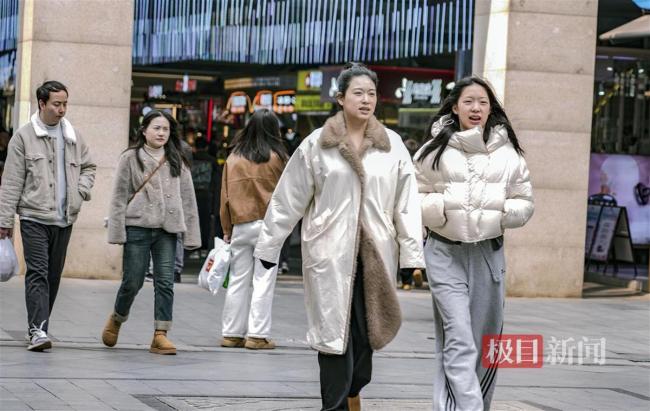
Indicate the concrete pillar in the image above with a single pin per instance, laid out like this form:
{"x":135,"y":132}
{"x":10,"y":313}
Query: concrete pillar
{"x":86,"y":45}
{"x":539,"y":55}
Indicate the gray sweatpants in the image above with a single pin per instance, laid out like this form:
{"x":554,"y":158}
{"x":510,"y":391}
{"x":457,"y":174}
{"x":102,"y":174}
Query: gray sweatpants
{"x":467,"y":285}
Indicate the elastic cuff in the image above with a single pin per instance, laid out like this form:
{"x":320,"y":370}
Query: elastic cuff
{"x":162,"y":325}
{"x":233,"y":335}
{"x":120,"y":318}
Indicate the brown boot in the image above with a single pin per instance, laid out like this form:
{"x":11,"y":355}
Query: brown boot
{"x":354,"y":403}
{"x":111,"y":331}
{"x":232,"y":342}
{"x":254,"y":343}
{"x":161,"y":345}
{"x":417,"y":278}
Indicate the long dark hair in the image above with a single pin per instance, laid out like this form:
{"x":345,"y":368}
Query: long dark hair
{"x":259,"y":138}
{"x":452,"y":125}
{"x":173,"y":151}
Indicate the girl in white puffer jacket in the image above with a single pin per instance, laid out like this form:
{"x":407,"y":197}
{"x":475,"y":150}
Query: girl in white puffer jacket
{"x":474,"y":183}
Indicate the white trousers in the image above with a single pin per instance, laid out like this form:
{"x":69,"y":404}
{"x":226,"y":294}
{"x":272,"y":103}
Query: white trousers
{"x":249,"y":300}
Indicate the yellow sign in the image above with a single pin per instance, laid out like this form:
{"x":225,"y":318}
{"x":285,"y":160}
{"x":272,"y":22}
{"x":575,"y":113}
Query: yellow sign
{"x":311,"y":102}
{"x":309,"y":80}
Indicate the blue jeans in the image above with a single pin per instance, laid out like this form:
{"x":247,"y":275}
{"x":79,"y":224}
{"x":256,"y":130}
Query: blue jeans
{"x":140,"y":243}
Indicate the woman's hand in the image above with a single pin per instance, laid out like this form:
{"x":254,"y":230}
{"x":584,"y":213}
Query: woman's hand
{"x":226,"y":239}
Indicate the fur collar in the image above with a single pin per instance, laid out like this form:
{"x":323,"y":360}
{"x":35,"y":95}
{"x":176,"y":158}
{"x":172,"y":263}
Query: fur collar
{"x":334,"y":133}
{"x":68,"y":131}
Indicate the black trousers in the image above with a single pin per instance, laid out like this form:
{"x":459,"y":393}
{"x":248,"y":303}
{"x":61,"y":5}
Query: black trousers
{"x":44,"y":247}
{"x":343,"y":376}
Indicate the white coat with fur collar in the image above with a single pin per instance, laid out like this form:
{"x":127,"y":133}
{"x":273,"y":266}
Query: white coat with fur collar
{"x":479,"y":189}
{"x":353,"y":204}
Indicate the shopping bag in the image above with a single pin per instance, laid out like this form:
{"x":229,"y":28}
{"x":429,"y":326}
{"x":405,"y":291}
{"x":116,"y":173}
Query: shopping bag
{"x":215,"y":267}
{"x":8,"y":260}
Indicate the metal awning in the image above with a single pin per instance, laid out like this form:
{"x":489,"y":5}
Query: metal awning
{"x":637,"y":28}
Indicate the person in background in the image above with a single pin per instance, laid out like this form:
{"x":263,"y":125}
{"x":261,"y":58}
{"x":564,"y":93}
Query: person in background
{"x":153,"y":202}
{"x":48,"y":175}
{"x":4,"y":144}
{"x":204,"y":177}
{"x":409,"y":276}
{"x":474,"y":184}
{"x":353,"y":184}
{"x":291,"y":141}
{"x":250,"y":175}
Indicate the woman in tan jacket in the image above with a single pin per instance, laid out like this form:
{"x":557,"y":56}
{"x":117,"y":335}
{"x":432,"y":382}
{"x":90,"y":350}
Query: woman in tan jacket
{"x":250,"y":175}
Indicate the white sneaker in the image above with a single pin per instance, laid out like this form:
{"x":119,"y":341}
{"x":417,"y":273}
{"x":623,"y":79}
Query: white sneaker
{"x":39,"y":340}
{"x":284,"y":267}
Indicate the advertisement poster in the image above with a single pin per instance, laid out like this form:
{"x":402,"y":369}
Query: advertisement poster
{"x":626,"y":178}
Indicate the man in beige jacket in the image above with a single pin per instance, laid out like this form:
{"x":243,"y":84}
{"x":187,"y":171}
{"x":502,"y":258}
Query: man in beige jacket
{"x":47,"y":175}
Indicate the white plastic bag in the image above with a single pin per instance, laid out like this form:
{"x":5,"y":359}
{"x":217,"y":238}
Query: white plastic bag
{"x":215,"y":267}
{"x":8,"y":260}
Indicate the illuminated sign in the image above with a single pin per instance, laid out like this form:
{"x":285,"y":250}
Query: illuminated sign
{"x":283,"y":101}
{"x":238,"y":102}
{"x":412,"y":91}
{"x":309,"y":80}
{"x":263,"y":99}
{"x":311,"y":103}
{"x":251,"y":82}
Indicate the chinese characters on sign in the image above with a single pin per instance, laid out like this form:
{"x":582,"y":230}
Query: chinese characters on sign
{"x":527,"y":351}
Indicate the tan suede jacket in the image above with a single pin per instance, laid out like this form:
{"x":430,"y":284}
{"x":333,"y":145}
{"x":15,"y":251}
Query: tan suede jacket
{"x":246,"y":189}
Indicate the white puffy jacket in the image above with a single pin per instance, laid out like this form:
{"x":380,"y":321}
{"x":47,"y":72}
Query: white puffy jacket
{"x":478,"y":190}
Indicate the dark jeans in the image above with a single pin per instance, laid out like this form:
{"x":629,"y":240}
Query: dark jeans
{"x":45,"y":248}
{"x":343,"y":376}
{"x":140,"y":243}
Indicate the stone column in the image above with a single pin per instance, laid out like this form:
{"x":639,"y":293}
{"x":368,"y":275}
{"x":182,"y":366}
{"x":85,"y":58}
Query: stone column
{"x":539,"y":55}
{"x":86,"y":45}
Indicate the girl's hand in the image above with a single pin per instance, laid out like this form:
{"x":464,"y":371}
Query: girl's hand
{"x":226,"y":239}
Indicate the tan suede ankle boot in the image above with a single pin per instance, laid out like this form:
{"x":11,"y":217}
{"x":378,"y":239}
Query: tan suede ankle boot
{"x":354,"y":403}
{"x":111,"y":331}
{"x":161,"y":345}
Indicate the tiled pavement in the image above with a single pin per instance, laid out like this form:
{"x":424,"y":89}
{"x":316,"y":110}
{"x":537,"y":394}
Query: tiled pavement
{"x":81,"y":374}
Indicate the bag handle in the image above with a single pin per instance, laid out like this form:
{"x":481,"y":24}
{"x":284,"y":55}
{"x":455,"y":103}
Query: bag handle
{"x":146,"y":180}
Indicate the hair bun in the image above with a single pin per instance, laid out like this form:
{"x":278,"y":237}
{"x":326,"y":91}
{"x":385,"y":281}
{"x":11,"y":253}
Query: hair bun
{"x":353,"y":64}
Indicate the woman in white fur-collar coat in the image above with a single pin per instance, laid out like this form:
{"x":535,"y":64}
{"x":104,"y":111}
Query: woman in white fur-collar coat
{"x":474,"y":183}
{"x":353,"y":184}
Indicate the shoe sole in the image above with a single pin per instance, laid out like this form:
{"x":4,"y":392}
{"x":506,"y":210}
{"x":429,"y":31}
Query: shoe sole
{"x":40,"y":347}
{"x":163,"y":352}
{"x":233,"y":344}
{"x":255,"y":347}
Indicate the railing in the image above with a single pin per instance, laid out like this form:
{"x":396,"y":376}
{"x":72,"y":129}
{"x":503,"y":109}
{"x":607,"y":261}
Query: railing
{"x":298,"y":31}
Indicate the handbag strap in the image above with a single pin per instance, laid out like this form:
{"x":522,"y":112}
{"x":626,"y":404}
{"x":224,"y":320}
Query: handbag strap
{"x":146,"y":180}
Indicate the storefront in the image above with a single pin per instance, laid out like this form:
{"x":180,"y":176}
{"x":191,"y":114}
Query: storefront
{"x":618,"y":226}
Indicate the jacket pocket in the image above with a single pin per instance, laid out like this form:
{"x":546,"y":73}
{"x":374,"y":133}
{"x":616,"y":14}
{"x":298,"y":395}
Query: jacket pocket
{"x":74,"y":171}
{"x":38,"y":184}
{"x":75,"y":203}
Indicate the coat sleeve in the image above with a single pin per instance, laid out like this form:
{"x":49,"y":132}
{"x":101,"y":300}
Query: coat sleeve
{"x":87,"y":172}
{"x":122,"y":191}
{"x":431,"y":200}
{"x":407,"y":216}
{"x":289,"y":202}
{"x":519,"y":206}
{"x":224,"y":206}
{"x":13,"y":181}
{"x":192,"y":238}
